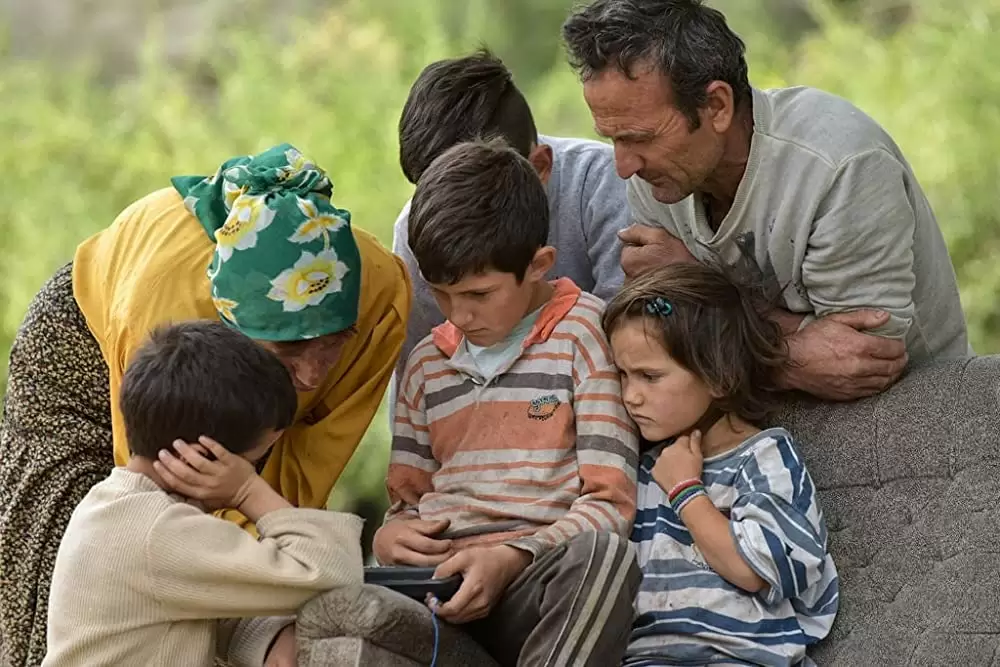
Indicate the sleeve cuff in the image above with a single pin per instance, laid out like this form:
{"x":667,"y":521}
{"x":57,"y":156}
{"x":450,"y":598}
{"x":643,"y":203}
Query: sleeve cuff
{"x":252,"y":639}
{"x":534,"y":547}
{"x":746,"y":547}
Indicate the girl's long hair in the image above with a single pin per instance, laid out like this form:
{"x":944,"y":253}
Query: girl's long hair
{"x":713,"y":327}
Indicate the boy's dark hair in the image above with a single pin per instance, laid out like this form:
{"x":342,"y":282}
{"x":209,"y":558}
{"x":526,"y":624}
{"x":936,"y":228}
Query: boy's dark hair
{"x":458,"y":100}
{"x":479,"y":206}
{"x":203,"y":378}
{"x":687,"y":42}
{"x":714,"y":328}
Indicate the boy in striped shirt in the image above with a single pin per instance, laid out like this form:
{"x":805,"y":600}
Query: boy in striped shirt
{"x":513,"y":459}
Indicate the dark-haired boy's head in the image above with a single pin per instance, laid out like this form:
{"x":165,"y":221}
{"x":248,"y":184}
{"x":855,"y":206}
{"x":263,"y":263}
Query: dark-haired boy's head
{"x":460,"y":99}
{"x":478,"y":228}
{"x":202,"y":378}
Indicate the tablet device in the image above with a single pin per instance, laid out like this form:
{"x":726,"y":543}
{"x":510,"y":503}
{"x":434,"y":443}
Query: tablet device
{"x":414,"y":582}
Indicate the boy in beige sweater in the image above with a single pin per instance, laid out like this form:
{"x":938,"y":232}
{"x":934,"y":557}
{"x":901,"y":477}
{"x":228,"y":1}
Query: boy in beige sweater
{"x":145,"y":576}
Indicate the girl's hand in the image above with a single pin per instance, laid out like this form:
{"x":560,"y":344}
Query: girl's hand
{"x":225,"y":482}
{"x":679,"y":462}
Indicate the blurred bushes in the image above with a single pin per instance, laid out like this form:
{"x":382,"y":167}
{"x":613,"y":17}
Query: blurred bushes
{"x":76,"y":151}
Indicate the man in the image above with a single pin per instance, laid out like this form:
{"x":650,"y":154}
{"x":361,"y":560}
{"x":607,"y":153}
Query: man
{"x":463,"y":98}
{"x":795,"y":189}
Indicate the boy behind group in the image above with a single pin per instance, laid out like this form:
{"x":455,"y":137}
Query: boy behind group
{"x":459,"y":99}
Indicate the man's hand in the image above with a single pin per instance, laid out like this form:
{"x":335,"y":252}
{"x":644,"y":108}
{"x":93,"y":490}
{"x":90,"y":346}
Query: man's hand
{"x":679,"y":462}
{"x":645,"y":248}
{"x":486,"y":574}
{"x":284,"y":650}
{"x":831,"y":358}
{"x":411,"y":542}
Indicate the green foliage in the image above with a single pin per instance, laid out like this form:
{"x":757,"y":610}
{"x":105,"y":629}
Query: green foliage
{"x":77,"y":151}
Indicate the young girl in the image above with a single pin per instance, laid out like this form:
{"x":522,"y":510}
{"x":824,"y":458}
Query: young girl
{"x":729,"y":533}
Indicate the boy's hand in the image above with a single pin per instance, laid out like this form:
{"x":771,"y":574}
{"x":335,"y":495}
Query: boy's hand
{"x":411,"y":542}
{"x":486,"y":574}
{"x":225,"y":482}
{"x":679,"y":462}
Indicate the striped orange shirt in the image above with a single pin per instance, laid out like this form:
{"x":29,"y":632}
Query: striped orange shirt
{"x":530,"y":457}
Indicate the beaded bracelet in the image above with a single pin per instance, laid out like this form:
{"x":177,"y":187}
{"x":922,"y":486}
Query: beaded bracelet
{"x":680,"y":486}
{"x":683,"y":493}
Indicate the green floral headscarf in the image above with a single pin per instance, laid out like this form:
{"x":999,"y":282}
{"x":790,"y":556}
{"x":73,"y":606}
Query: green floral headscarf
{"x":286,"y":266}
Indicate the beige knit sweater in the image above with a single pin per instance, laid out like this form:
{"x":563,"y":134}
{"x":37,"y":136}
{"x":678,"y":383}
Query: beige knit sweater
{"x":141,"y":578}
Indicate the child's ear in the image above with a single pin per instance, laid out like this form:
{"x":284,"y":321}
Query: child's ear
{"x":541,"y":263}
{"x":540,"y":158}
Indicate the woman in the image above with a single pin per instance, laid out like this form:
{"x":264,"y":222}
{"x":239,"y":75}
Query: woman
{"x":260,"y":246}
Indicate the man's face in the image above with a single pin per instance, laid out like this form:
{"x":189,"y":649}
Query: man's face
{"x":309,"y":361}
{"x":652,"y":137}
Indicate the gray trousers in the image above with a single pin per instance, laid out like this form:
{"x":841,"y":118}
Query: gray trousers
{"x":573,"y":607}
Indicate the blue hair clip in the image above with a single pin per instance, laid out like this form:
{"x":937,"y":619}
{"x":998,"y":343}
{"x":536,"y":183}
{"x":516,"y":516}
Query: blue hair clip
{"x":659,"y":306}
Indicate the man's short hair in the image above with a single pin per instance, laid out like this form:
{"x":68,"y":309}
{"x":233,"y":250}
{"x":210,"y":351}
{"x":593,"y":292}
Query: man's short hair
{"x":480,"y":206}
{"x":457,"y":100}
{"x":203,"y":378}
{"x":687,"y":42}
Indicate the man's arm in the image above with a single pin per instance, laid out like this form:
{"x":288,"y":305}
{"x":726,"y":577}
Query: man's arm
{"x":858,"y":275}
{"x":860,"y":251}
{"x":789,"y":322}
{"x":653,"y":240}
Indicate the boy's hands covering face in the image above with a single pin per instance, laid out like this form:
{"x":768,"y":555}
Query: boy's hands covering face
{"x":225,"y":482}
{"x":486,"y":573}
